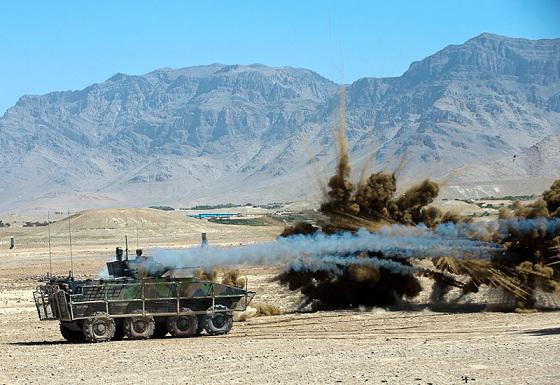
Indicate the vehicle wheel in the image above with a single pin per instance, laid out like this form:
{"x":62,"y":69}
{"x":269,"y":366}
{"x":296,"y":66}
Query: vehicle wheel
{"x":119,"y":330}
{"x":99,"y":328}
{"x":183,"y":325}
{"x":139,"y":328}
{"x":201,"y":320}
{"x":218,"y":322}
{"x":160,"y":330}
{"x":71,"y":332}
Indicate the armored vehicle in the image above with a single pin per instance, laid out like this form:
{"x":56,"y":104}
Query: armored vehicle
{"x":139,"y":300}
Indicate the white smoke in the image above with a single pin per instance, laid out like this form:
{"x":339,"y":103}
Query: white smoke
{"x":322,"y":251}
{"x":500,"y":228}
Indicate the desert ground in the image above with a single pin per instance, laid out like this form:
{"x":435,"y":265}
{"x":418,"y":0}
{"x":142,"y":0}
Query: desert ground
{"x":364,"y":345}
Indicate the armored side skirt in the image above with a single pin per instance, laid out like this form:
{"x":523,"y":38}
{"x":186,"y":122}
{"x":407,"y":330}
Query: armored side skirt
{"x":155,"y":298}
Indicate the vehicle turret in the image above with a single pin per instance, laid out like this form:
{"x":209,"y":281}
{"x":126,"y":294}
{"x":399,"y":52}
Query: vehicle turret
{"x":140,"y":267}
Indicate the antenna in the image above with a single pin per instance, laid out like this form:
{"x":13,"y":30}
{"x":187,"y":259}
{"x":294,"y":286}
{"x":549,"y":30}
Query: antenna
{"x":70,"y":238}
{"x":126,"y":246}
{"x":49,"y":230}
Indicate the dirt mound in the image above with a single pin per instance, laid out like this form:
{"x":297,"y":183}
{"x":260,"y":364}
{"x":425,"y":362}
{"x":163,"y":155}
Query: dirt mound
{"x":110,"y":219}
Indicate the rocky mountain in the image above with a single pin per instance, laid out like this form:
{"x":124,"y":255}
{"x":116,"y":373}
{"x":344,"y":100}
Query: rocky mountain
{"x":483,"y":117}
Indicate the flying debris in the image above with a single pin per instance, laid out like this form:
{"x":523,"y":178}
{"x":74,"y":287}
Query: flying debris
{"x":518,"y":254}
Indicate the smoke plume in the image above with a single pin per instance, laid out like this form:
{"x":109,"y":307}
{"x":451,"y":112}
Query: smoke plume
{"x":397,"y":241}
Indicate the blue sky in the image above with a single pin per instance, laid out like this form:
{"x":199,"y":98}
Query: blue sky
{"x":47,"y":46}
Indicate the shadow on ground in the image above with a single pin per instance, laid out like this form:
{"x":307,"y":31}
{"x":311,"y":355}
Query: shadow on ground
{"x":458,"y":308}
{"x":544,"y":332}
{"x":40,"y":343}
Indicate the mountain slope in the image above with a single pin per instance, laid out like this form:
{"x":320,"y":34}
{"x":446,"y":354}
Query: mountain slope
{"x":255,"y":133}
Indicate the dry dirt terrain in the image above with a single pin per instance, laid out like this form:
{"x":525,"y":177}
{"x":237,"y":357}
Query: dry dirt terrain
{"x":374,"y":346}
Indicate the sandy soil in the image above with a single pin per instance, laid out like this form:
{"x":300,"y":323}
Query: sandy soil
{"x":373,"y":346}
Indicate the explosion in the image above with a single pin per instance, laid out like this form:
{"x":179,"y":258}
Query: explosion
{"x":528,"y":238}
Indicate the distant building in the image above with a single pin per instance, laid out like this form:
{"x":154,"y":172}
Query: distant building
{"x":212,"y":215}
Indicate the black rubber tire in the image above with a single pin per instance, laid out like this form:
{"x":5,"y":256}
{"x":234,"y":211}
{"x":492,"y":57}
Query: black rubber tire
{"x":200,"y":328}
{"x":70,"y":335}
{"x":119,"y":330}
{"x":160,"y":330}
{"x":218,"y":323}
{"x":182,"y":326}
{"x":99,"y":328}
{"x":139,"y":328}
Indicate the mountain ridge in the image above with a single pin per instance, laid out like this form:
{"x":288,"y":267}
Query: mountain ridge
{"x":205,"y":133}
